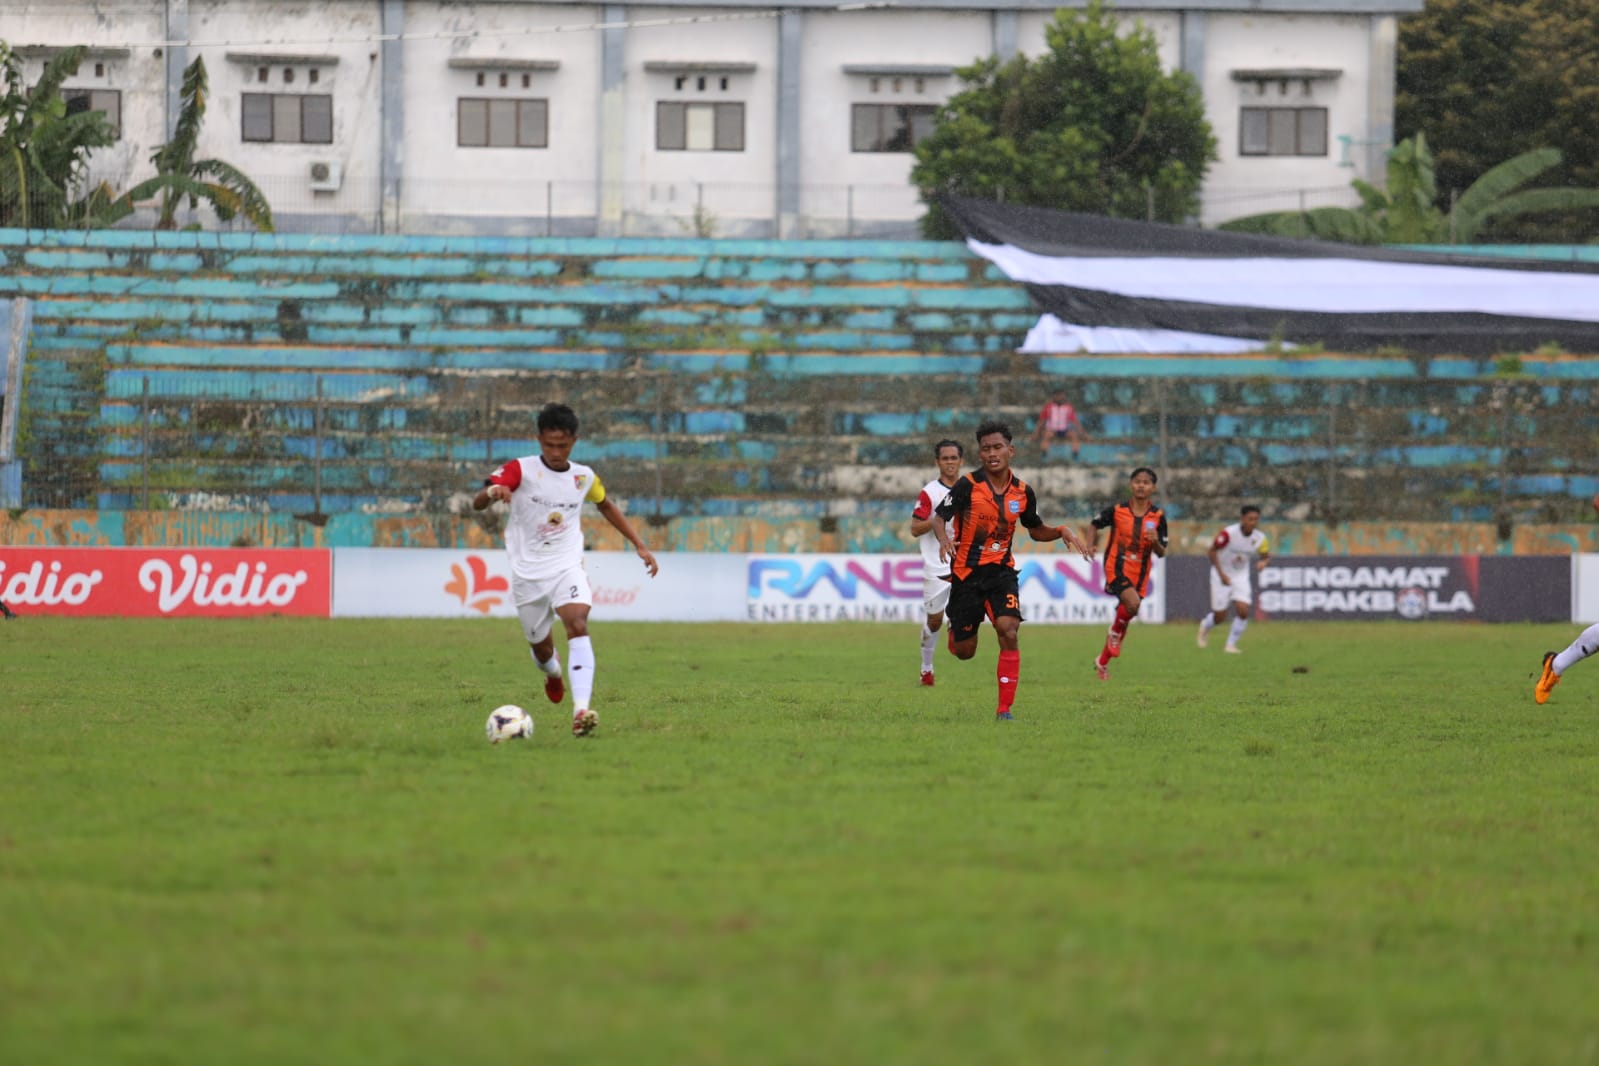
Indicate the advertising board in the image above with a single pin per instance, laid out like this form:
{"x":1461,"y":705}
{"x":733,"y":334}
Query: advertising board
{"x":166,"y":582}
{"x":1060,"y":589}
{"x":445,"y":583}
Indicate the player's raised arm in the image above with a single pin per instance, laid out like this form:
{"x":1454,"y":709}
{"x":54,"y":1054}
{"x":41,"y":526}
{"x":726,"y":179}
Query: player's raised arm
{"x":613,"y":514}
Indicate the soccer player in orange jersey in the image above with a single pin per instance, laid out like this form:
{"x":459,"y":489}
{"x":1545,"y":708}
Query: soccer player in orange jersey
{"x":984,"y":509}
{"x":1137,"y":533}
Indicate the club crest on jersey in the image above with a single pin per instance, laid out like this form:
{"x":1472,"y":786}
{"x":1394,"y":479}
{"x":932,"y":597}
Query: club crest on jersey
{"x":577,"y":481}
{"x":1015,"y":506}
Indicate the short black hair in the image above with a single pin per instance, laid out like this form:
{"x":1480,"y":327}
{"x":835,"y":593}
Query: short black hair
{"x":557,"y":416}
{"x":992,"y":426}
{"x":938,"y":449}
{"x":1145,"y":470}
{"x":1249,"y":509}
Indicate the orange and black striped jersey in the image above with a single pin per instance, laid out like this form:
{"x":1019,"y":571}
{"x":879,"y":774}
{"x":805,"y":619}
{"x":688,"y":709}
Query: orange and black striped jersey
{"x":1126,"y":554}
{"x":985,"y":520}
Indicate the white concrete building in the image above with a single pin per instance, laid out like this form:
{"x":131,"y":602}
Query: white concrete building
{"x":528,"y":116}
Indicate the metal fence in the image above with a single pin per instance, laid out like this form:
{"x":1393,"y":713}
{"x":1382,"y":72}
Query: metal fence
{"x":344,"y":202}
{"x":676,"y":443}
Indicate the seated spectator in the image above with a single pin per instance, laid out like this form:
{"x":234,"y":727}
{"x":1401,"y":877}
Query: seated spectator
{"x":1057,"y":422}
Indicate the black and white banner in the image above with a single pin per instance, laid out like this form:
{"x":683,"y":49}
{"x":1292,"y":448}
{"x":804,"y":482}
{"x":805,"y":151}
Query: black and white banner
{"x":1227,"y":292}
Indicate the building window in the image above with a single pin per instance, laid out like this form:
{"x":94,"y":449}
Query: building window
{"x":106,"y":101}
{"x":288,"y":118}
{"x":1283,"y":131}
{"x":502,"y":123}
{"x":699,"y":127}
{"x":889,"y":127}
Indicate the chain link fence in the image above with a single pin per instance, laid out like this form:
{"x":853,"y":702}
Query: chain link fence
{"x":1504,"y":449}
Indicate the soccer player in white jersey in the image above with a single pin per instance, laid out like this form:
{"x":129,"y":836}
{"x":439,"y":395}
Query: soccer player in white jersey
{"x":1230,"y":555}
{"x":544,"y":539}
{"x":1555,"y":664}
{"x":935,"y":571}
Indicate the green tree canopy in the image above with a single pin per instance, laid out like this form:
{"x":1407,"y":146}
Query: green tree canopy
{"x":44,"y":151}
{"x":1489,"y":80}
{"x":1092,"y":125}
{"x":1407,"y":211}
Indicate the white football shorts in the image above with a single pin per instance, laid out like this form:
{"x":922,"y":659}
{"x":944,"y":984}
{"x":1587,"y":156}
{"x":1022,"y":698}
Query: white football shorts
{"x":935,"y":594}
{"x":1224,"y":596}
{"x":536,"y":601}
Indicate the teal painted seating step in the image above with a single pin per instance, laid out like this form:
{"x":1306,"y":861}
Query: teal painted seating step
{"x":380,"y":266}
{"x":807,"y":365}
{"x":240,"y":384}
{"x":603,"y":450}
{"x":707,"y":422}
{"x":342,"y":244}
{"x":406,"y":315}
{"x":1176,"y":366}
{"x":698,"y":362}
{"x":1571,"y":368}
{"x":65,"y":259}
{"x":494,"y":292}
{"x":161,"y":311}
{"x":296,"y":415}
{"x":197,"y":288}
{"x":1438,"y":455}
{"x":1008,"y":299}
{"x":286,"y":357}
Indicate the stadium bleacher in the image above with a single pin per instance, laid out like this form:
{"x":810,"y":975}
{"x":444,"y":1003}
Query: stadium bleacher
{"x":301,"y":373}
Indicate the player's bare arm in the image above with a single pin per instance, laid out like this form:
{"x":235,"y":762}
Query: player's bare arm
{"x":1061,"y":533}
{"x":489,"y":494}
{"x":920,"y":526}
{"x":1215,"y":564}
{"x":613,"y":514}
{"x":946,"y":550}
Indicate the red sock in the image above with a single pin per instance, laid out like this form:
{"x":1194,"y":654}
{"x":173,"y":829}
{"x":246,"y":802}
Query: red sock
{"x":1119,"y":627}
{"x":1118,"y":630}
{"x":1010,"y":669}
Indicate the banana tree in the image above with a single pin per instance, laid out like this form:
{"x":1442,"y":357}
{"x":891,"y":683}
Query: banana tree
{"x":1407,"y":211}
{"x":44,"y":151}
{"x":180,"y":177}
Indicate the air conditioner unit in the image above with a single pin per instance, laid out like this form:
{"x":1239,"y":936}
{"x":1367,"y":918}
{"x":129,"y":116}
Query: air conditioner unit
{"x":325,"y":174}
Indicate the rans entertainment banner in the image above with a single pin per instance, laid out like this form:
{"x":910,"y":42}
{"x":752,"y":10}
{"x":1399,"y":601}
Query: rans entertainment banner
{"x":888,"y":588}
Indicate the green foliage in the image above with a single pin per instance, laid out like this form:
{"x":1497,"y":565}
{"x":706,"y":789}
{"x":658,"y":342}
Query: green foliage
{"x":44,"y":152}
{"x":1493,"y":79}
{"x":1092,"y":125}
{"x":1407,"y":211}
{"x":180,"y":177}
{"x":286,"y":840}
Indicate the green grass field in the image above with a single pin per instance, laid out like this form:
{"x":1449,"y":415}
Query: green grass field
{"x":288,"y":841}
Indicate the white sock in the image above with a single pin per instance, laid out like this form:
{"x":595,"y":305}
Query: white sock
{"x":1239,"y":625}
{"x":551,"y":666}
{"x":929,"y":642}
{"x":1207,"y":623}
{"x":1586,"y":644}
{"x":580,"y":651}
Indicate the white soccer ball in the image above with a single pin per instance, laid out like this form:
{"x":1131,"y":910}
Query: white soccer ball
{"x":509,"y":723}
